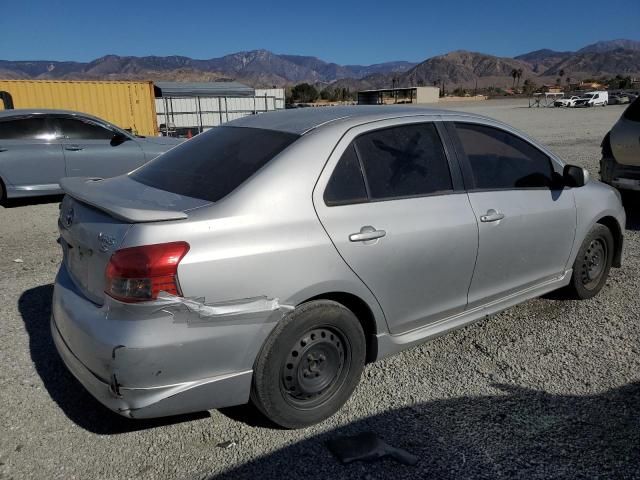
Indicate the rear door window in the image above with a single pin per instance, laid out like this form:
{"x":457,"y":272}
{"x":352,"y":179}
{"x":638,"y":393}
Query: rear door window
{"x":346,"y":184}
{"x":404,"y":161}
{"x":213,"y":164}
{"x":28,"y":128}
{"x":81,"y":129}
{"x":500,"y":160}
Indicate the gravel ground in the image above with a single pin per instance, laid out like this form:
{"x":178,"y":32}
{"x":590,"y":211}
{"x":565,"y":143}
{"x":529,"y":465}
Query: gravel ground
{"x":550,"y":388}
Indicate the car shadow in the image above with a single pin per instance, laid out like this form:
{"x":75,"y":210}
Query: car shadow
{"x":631,"y":202}
{"x":81,"y":408}
{"x":518,"y":433}
{"x":23,"y":202}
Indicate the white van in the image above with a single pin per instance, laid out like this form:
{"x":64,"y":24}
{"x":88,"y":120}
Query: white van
{"x":592,"y":99}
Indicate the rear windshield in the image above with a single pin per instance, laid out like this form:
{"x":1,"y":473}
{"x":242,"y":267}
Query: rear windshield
{"x":633,"y":111}
{"x":213,"y":164}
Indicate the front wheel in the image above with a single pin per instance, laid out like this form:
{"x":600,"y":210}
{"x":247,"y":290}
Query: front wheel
{"x":309,"y":365}
{"x":592,"y":264}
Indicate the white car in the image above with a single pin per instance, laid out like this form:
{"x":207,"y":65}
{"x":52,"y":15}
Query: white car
{"x":592,"y":99}
{"x":566,"y":102}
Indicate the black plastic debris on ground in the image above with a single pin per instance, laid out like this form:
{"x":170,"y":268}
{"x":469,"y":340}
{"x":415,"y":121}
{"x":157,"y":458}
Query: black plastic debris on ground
{"x":367,"y":447}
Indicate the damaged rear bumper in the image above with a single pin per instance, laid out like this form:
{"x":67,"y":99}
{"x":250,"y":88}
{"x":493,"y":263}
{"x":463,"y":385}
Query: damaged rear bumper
{"x":163,"y":359}
{"x":158,"y":401}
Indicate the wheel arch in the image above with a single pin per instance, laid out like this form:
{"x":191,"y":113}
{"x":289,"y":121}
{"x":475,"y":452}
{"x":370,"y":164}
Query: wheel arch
{"x":616,"y":230}
{"x":363,"y":313}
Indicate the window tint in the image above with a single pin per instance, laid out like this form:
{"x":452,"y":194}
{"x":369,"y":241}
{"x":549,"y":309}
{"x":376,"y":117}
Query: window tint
{"x":501,"y":160}
{"x":404,"y":161}
{"x":213,"y":164}
{"x":633,"y":111}
{"x":38,"y":128}
{"x":79,"y":129}
{"x":346,"y":184}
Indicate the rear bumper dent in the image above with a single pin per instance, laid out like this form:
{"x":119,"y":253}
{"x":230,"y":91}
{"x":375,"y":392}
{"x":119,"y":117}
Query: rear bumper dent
{"x":157,"y":401}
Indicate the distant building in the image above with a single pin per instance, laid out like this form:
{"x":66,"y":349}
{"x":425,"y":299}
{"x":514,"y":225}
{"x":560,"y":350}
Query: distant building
{"x":553,"y":88}
{"x":389,"y":96}
{"x":592,"y":86}
{"x":187,"y":108}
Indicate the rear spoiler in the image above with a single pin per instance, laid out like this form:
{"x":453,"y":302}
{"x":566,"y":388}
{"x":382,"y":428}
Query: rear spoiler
{"x":117,"y":196}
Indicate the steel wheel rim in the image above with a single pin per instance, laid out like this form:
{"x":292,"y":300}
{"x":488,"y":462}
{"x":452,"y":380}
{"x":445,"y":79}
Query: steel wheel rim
{"x":315,"y":367}
{"x":594,"y":263}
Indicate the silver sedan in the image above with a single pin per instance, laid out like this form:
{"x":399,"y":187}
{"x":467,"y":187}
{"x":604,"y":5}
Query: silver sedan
{"x":269,"y":259}
{"x":39,"y":147}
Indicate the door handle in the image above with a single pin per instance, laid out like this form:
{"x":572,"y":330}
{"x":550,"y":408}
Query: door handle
{"x":491,"y":216}
{"x":367,"y":233}
{"x":3,"y":149}
{"x":73,"y":148}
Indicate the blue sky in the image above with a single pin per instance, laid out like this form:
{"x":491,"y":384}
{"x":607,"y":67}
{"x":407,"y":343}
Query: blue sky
{"x":338,"y":31}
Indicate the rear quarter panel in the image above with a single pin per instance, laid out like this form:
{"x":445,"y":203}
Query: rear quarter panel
{"x":264,"y":238}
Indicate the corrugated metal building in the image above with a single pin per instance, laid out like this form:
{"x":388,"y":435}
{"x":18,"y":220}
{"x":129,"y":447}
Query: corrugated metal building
{"x":185,"y":109}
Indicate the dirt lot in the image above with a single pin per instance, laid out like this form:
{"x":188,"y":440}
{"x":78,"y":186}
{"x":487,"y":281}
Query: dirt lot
{"x":547,"y":389}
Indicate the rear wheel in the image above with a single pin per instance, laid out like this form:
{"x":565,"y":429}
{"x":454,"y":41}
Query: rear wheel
{"x":309,"y":365}
{"x":592,"y":264}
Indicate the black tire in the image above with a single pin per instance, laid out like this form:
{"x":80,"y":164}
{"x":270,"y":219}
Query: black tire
{"x":592,"y":264}
{"x":309,"y":365}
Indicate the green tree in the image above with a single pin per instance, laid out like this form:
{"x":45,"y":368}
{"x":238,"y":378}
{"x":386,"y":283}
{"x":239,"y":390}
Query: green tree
{"x":514,"y":74}
{"x":518,"y":75}
{"x":304,"y":93}
{"x":529,"y":86}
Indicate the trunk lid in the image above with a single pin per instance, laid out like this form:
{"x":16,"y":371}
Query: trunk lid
{"x":95,"y":217}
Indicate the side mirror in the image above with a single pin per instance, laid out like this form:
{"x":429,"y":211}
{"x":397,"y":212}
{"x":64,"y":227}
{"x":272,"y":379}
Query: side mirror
{"x":118,"y":138}
{"x":575,"y":176}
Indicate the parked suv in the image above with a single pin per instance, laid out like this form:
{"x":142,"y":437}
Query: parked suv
{"x":620,"y":163}
{"x":268,"y":259}
{"x":39,"y":147}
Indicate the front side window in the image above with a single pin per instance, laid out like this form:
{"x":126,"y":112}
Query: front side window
{"x":404,"y":161}
{"x":30,"y":128}
{"x":81,"y":129}
{"x":213,"y":164}
{"x":500,"y":160}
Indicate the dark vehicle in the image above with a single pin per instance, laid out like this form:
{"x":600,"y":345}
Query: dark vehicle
{"x":620,"y":163}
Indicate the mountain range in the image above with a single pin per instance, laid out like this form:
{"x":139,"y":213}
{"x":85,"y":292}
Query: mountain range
{"x":265,"y":68}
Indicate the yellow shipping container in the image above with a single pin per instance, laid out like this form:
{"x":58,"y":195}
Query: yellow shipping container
{"x":129,"y":105}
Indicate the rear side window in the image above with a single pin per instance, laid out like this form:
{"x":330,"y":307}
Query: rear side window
{"x":500,"y":160}
{"x":633,"y":111}
{"x":213,"y":164}
{"x":346,"y":184}
{"x":79,"y":129}
{"x":33,"y":128}
{"x":403,"y":161}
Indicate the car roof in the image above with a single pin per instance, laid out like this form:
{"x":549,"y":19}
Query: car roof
{"x":17,"y":112}
{"x":302,"y":120}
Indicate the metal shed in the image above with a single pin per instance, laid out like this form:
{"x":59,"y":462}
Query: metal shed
{"x":385,"y":96}
{"x":187,"y":108}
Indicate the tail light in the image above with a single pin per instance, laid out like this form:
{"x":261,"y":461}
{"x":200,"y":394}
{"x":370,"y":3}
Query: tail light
{"x":138,"y":274}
